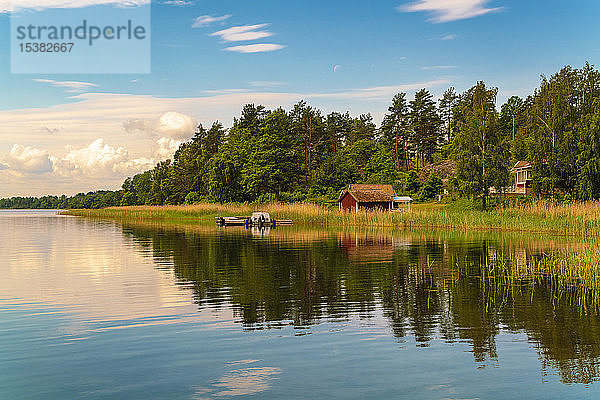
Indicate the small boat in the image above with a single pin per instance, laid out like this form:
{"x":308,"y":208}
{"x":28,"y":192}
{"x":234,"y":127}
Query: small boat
{"x":260,"y":219}
{"x":232,"y":221}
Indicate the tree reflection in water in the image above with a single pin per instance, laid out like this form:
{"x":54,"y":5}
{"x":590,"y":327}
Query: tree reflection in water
{"x":428,"y":285}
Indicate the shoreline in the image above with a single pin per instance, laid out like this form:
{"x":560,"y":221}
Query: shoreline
{"x":540,"y":218}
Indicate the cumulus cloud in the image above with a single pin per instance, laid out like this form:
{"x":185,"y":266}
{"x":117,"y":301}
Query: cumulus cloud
{"x":449,"y":10}
{"x":166,"y":147}
{"x":29,"y":159}
{"x":8,"y":5}
{"x":206,"y":20}
{"x":99,"y":159}
{"x":171,"y":124}
{"x":255,"y":48}
{"x":69,"y":86}
{"x":243,"y":33}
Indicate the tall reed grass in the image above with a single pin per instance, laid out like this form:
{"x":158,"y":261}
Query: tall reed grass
{"x":542,"y":216}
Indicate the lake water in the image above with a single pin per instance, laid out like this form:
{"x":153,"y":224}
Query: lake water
{"x":100,"y":310}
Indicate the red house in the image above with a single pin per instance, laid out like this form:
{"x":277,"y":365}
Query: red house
{"x":522,"y":177}
{"x":367,"y":197}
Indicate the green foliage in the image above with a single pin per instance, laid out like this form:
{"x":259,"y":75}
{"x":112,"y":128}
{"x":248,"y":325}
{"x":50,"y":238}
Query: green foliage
{"x":480,"y":146}
{"x":425,"y":123}
{"x":129,"y":199}
{"x":411,"y":183}
{"x":431,"y":188}
{"x":193,"y":198}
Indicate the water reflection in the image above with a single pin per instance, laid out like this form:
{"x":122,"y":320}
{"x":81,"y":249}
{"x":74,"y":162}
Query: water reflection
{"x":425,"y":285}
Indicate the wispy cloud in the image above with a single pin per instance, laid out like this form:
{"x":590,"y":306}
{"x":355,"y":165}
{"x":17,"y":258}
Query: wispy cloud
{"x":206,"y":20}
{"x":180,"y":3}
{"x":243,"y":33}
{"x":377,"y":92}
{"x":266,"y":83}
{"x":225,"y":91}
{"x":449,"y":10}
{"x":69,"y":86}
{"x":451,"y":36}
{"x":437,"y":67}
{"x":255,"y":48}
{"x":8,"y":6}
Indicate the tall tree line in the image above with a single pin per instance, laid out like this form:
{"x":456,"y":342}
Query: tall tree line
{"x":303,"y":154}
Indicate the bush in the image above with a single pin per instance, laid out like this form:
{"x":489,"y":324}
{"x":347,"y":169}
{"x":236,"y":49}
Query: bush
{"x":412,"y":184}
{"x":431,"y":188}
{"x":193,"y":198}
{"x":129,"y":199}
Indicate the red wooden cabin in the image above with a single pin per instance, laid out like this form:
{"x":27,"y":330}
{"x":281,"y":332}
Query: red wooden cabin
{"x":367,"y":197}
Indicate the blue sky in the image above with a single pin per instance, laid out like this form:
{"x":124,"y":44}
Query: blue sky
{"x":64,"y":133}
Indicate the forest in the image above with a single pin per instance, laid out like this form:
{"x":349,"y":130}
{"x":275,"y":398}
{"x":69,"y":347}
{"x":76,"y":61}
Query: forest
{"x":304,"y":155}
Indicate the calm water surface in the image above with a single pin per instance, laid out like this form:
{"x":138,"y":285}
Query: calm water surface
{"x":99,"y":310}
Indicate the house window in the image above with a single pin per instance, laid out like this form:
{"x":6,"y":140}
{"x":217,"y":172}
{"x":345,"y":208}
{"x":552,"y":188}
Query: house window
{"x":528,"y":175}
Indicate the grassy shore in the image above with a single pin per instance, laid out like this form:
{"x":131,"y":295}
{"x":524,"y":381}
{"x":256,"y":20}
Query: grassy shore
{"x":579,"y":219}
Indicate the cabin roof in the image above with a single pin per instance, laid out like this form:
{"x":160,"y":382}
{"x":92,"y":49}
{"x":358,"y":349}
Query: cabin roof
{"x":370,"y":193}
{"x":521,"y":165}
{"x":389,"y":189}
{"x":403,"y":199}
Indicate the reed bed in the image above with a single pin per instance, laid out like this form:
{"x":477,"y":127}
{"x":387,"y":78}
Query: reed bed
{"x":568,"y":276}
{"x":581,"y":219}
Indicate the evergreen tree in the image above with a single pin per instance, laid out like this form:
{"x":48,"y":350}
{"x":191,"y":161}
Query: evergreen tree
{"x":425,"y":123}
{"x":479,"y":145}
{"x":395,"y":130}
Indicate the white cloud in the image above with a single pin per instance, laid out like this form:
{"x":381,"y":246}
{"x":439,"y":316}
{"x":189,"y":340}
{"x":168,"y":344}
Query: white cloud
{"x":133,"y":167}
{"x":166,"y":147}
{"x":29,"y":159}
{"x":243,"y":33}
{"x":98,"y":160}
{"x":3,"y":166}
{"x":181,"y":3}
{"x":69,"y":86}
{"x":449,"y":10}
{"x":255,"y":48}
{"x":8,"y":5}
{"x":449,"y":37}
{"x":266,"y":83}
{"x":206,"y":20}
{"x":226,"y":91}
{"x":171,"y":124}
